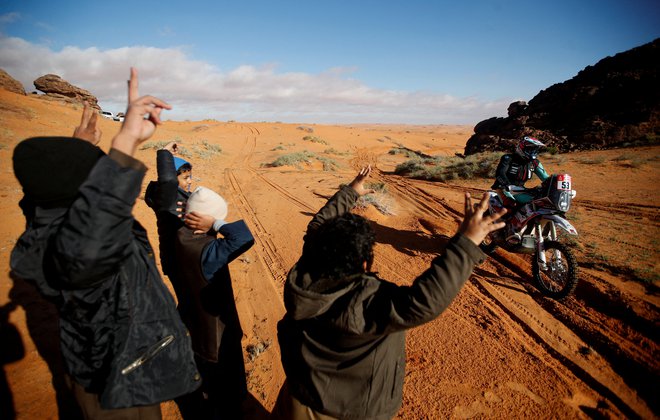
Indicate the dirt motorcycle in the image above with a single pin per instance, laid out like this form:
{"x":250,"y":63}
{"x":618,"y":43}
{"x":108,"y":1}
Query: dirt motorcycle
{"x":554,"y":266}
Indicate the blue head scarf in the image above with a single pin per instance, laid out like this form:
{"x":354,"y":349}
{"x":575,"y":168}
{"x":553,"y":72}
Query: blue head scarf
{"x":178,"y":163}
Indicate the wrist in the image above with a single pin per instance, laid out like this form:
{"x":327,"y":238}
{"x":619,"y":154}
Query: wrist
{"x":218,"y":224}
{"x":124,"y":143}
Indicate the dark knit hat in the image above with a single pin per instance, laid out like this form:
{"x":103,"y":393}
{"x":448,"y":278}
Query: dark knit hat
{"x":51,"y":169}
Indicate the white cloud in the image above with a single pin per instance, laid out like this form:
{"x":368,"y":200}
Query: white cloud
{"x":199,"y":90}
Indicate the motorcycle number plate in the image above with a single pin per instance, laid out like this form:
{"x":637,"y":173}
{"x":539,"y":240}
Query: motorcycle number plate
{"x":564,"y":182}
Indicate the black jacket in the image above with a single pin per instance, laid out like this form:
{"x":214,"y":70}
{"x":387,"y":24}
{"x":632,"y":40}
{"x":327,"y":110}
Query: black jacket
{"x":120,"y":334}
{"x":162,"y":196}
{"x":343,"y":349}
{"x":516,"y":170}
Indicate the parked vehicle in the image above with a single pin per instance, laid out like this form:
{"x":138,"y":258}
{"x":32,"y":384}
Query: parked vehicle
{"x":554,"y":266}
{"x":119,"y":116}
{"x":107,"y":114}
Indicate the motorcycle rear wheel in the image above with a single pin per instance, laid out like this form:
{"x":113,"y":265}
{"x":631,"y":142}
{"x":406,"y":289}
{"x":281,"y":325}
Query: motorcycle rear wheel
{"x":560,"y":276}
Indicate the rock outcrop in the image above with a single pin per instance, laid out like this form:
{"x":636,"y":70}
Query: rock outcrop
{"x":59,"y":89}
{"x":9,"y":83}
{"x":610,"y":104}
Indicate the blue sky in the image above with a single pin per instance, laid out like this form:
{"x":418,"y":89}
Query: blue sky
{"x":418,"y":62}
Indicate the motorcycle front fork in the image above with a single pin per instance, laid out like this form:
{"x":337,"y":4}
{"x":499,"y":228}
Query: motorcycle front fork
{"x":543,"y":264}
{"x":540,"y":251}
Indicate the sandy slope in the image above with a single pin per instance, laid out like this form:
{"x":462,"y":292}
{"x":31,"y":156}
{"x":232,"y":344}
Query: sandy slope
{"x":500,"y":350}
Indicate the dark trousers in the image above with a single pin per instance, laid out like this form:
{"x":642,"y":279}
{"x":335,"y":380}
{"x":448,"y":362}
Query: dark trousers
{"x":224,"y":385}
{"x":91,"y":409}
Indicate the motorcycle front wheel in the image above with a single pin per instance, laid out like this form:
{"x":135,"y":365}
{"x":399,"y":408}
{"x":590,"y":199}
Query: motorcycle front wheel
{"x":560,"y":275}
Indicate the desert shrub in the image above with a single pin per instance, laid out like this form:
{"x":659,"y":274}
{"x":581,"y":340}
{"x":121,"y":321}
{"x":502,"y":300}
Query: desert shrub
{"x":315,"y":139}
{"x":481,"y":165}
{"x":376,"y":186}
{"x":552,"y":150}
{"x":184,"y":152}
{"x":401,"y":150}
{"x":333,"y":151}
{"x":631,"y":160}
{"x":382,"y":202}
{"x":415,"y":167}
{"x":156,"y":145}
{"x":328,"y":164}
{"x":380,"y":198}
{"x":280,"y":147}
{"x":293,"y":159}
{"x":207,"y":150}
{"x":305,"y":128}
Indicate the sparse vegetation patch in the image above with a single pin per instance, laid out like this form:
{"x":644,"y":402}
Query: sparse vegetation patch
{"x":380,"y":198}
{"x":315,"y":139}
{"x":480,"y":165}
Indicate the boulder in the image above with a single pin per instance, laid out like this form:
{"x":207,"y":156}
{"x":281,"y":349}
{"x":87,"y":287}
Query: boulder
{"x":59,"y":89}
{"x":614,"y":103}
{"x":9,"y":83}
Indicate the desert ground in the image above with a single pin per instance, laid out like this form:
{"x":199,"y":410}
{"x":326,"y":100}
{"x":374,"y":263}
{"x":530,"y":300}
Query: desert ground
{"x":501,"y":349}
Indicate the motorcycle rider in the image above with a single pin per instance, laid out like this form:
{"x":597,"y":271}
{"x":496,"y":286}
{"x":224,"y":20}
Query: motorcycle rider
{"x":515,"y":169}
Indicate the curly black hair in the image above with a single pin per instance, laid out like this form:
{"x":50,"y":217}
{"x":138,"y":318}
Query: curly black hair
{"x":339,"y":247}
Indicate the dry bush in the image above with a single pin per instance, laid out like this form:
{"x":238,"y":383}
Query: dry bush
{"x":481,"y":165}
{"x":380,"y":198}
{"x":293,"y":159}
{"x":328,"y":164}
{"x":315,"y":139}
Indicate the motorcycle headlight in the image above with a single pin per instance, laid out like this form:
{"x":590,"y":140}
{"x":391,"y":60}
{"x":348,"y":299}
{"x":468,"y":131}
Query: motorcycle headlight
{"x":564,"y":202}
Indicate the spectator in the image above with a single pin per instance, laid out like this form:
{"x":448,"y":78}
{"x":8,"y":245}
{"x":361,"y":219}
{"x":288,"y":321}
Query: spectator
{"x":167,"y":197}
{"x":207,"y":306}
{"x":124,"y":346}
{"x":342,"y":338}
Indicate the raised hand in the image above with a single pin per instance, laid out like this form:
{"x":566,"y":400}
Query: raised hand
{"x":142,"y":117}
{"x":87,"y":130}
{"x":172,"y":147}
{"x":358,"y":183}
{"x":475,"y":225}
{"x":200,"y":223}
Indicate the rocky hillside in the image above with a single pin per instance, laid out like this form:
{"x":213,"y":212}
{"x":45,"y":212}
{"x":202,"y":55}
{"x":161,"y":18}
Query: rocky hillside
{"x":613,"y":103}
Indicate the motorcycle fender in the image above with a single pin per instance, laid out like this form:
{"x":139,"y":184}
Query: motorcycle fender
{"x":562,"y":223}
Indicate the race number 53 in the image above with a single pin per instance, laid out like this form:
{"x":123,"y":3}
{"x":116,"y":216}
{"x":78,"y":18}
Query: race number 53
{"x":564,"y":182}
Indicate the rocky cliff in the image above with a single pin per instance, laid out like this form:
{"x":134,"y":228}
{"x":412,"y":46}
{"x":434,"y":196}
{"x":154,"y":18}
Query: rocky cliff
{"x":610,"y":104}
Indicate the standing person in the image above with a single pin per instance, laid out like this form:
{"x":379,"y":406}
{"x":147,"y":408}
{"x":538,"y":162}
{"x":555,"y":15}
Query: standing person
{"x":207,"y":306}
{"x":515,"y":169}
{"x":342,"y":338}
{"x":167,"y":197}
{"x":124,"y":346}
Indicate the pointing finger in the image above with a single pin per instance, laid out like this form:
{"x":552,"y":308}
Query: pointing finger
{"x":133,"y":86}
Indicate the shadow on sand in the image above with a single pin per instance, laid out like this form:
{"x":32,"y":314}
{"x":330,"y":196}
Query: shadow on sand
{"x":43,"y":326}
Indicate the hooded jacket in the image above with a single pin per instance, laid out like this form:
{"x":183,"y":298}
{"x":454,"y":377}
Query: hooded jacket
{"x":343,"y":347}
{"x":120,"y":334}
